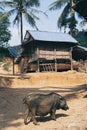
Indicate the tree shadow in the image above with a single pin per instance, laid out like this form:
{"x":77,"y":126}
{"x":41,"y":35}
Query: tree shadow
{"x":70,"y":92}
{"x":74,"y":91}
{"x":5,"y":81}
{"x":80,"y":87}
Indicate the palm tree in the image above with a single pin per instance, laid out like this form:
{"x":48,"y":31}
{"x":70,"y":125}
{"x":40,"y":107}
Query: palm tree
{"x":67,"y":17}
{"x":20,"y":8}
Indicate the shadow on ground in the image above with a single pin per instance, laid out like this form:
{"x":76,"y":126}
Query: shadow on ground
{"x":11,"y":102}
{"x":5,"y":81}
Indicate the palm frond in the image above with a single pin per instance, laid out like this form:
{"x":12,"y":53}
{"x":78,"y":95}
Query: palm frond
{"x":33,"y":15}
{"x":2,"y":9}
{"x":29,"y":18}
{"x":22,"y":7}
{"x":32,"y":3}
{"x":16,"y":20}
{"x":9,"y":13}
{"x":7,"y":4}
{"x":83,"y":22}
{"x":62,"y":19}
{"x":57,"y":4}
{"x":38,"y":11}
{"x":72,"y":21}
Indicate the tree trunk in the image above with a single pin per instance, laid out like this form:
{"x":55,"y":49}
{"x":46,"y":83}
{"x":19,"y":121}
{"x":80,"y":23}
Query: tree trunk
{"x":21,"y":27}
{"x":21,"y":33}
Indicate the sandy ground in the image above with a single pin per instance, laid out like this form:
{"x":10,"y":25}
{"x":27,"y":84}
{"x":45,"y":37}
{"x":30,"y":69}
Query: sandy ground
{"x":71,"y":85}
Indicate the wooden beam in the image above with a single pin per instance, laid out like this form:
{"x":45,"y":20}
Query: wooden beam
{"x":71,"y":58}
{"x":13,"y":65}
{"x":38,"y":59}
{"x":55,"y":60}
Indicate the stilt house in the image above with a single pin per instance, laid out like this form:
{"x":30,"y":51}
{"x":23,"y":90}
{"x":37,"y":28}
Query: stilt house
{"x":48,"y":51}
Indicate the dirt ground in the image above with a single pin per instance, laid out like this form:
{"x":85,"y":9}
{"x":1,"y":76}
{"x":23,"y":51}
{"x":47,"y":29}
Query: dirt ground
{"x":72,"y":85}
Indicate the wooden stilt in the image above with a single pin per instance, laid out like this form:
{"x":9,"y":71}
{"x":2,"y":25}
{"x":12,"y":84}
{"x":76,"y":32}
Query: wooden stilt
{"x":38,"y":60}
{"x":71,"y":58}
{"x":55,"y":61}
{"x":38,"y":65}
{"x":13,"y":65}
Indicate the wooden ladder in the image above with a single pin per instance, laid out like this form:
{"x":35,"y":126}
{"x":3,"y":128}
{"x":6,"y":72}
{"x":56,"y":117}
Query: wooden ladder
{"x":47,"y":67}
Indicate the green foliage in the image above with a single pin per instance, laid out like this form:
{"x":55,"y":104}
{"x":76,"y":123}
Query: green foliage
{"x":67,"y":17}
{"x":81,"y":37}
{"x":72,"y":22}
{"x":19,"y":8}
{"x":57,"y":4}
{"x":62,"y":21}
{"x":23,"y":7}
{"x":4,"y":32}
{"x":4,"y":52}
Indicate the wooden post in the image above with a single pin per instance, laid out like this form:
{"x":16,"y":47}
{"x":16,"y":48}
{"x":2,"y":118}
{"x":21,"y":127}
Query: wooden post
{"x":55,"y":61}
{"x":22,"y":65}
{"x":38,"y":65}
{"x":38,"y":59}
{"x":13,"y":64}
{"x":86,"y":66}
{"x":71,"y":58}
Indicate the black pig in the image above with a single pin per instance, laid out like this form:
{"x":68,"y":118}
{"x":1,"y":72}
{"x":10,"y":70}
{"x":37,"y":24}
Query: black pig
{"x":43,"y":104}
